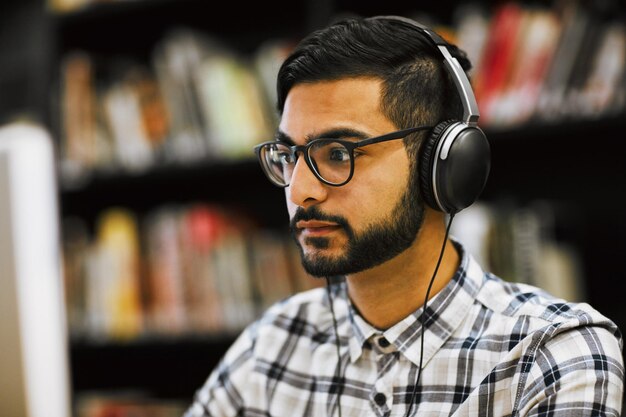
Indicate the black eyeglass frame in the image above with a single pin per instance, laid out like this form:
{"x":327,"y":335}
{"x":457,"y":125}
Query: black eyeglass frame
{"x":350,"y":146}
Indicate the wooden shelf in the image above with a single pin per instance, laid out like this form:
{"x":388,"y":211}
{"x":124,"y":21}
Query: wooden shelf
{"x":172,"y":368}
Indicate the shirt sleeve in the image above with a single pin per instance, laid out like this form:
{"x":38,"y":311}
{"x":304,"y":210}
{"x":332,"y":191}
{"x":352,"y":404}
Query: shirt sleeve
{"x":221,"y":395}
{"x":579,"y":372}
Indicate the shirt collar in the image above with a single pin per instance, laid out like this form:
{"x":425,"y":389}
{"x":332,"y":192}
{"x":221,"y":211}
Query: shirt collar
{"x":445,"y":312}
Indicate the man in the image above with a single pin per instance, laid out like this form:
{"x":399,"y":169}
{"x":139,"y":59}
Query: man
{"x":370,"y":214}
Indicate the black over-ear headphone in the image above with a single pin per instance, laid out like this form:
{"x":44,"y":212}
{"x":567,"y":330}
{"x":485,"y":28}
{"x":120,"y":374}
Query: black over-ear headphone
{"x":455,"y":159}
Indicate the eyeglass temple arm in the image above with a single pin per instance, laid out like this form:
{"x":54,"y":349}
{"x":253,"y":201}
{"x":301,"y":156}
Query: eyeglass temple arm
{"x":393,"y":135}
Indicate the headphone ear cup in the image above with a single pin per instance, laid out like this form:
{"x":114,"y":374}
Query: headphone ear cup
{"x":426,"y":162}
{"x":454,"y":166}
{"x":462,"y":174}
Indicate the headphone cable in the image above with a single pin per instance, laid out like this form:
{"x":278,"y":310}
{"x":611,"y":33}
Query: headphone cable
{"x":422,"y":320}
{"x":423,"y":316}
{"x":338,"y":369}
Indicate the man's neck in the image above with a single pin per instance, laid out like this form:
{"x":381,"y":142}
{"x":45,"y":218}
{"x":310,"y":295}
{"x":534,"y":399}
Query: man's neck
{"x":386,"y":294}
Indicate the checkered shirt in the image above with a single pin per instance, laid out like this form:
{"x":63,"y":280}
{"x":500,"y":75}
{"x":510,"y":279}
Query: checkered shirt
{"x":491,"y":348}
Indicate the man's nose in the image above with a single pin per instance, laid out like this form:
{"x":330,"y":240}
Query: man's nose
{"x":305,"y":189}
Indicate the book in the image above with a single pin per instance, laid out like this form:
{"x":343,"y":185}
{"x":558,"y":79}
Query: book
{"x":78,"y":114}
{"x":76,"y":243}
{"x":114,"y":287}
{"x":201,"y":228}
{"x":266,"y":62}
{"x":124,"y":116}
{"x":498,"y":57}
{"x":603,"y":91}
{"x":234,"y":280}
{"x":231,"y":100}
{"x":536,"y":43}
{"x":473,"y":226}
{"x":471,"y":25}
{"x":126,"y":404}
{"x":66,"y":6}
{"x":194,"y":268}
{"x":271,"y":274}
{"x":559,"y":269}
{"x":166,"y":312}
{"x":174,"y":59}
{"x":552,"y":104}
{"x":153,"y":113}
{"x":560,"y":272}
{"x":518,"y":244}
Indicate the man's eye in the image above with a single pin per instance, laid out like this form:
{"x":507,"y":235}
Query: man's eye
{"x":339,"y":154}
{"x":287,"y":158}
{"x":280,"y":156}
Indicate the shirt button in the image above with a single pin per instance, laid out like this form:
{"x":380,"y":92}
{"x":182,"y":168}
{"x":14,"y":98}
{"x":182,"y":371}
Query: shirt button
{"x":380,"y":399}
{"x":383,"y":343}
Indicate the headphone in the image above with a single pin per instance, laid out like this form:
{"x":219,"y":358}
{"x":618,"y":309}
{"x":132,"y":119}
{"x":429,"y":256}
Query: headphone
{"x":455,"y":159}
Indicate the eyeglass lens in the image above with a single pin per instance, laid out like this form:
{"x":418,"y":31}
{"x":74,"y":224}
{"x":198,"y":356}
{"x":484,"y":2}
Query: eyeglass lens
{"x":331,"y":160}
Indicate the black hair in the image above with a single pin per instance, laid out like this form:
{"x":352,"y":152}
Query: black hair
{"x":417,"y":89}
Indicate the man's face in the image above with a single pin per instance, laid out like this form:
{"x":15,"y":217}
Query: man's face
{"x":373,"y":218}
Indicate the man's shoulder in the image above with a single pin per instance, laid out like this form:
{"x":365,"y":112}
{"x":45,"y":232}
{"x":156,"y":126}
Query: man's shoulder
{"x":520,"y":301}
{"x":511,"y":301}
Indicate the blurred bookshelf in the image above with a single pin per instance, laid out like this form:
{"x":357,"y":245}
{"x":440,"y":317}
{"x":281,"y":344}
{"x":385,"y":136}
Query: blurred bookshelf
{"x":174,"y":240}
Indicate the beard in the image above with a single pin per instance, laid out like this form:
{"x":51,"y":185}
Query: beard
{"x":378,"y":243}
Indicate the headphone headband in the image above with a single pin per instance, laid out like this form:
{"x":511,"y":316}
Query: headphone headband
{"x":452,"y":65}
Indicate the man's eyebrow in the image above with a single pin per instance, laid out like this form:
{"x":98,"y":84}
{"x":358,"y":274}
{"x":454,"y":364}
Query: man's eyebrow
{"x":281,"y":136}
{"x":337,"y":133}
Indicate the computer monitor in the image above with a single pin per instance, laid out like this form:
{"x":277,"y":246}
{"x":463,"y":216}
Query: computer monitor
{"x":34,"y":370}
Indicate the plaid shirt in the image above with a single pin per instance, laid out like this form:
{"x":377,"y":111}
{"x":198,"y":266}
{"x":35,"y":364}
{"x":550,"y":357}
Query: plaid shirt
{"x":491,"y":348}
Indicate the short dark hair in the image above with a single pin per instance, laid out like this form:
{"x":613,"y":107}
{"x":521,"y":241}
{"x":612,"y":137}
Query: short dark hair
{"x":417,"y":89}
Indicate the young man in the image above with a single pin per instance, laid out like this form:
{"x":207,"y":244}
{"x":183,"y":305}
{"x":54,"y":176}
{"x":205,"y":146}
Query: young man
{"x":372,"y":216}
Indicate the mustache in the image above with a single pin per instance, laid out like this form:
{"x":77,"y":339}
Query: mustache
{"x":314,"y":213}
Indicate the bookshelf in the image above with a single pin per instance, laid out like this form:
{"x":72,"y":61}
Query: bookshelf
{"x":579,"y":168}
{"x":155,"y":367}
{"x":140,"y":363}
{"x":575,"y":162}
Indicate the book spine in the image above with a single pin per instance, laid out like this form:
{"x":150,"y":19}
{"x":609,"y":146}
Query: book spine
{"x":192,"y":269}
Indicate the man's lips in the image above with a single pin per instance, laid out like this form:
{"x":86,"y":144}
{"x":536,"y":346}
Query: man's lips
{"x":316,"y":227}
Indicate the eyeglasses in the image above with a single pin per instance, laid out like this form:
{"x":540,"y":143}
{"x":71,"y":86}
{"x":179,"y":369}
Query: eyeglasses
{"x":330,"y":160}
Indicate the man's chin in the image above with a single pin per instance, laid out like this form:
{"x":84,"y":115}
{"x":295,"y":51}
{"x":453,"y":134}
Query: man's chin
{"x":318,"y":263}
{"x":321,"y":269}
